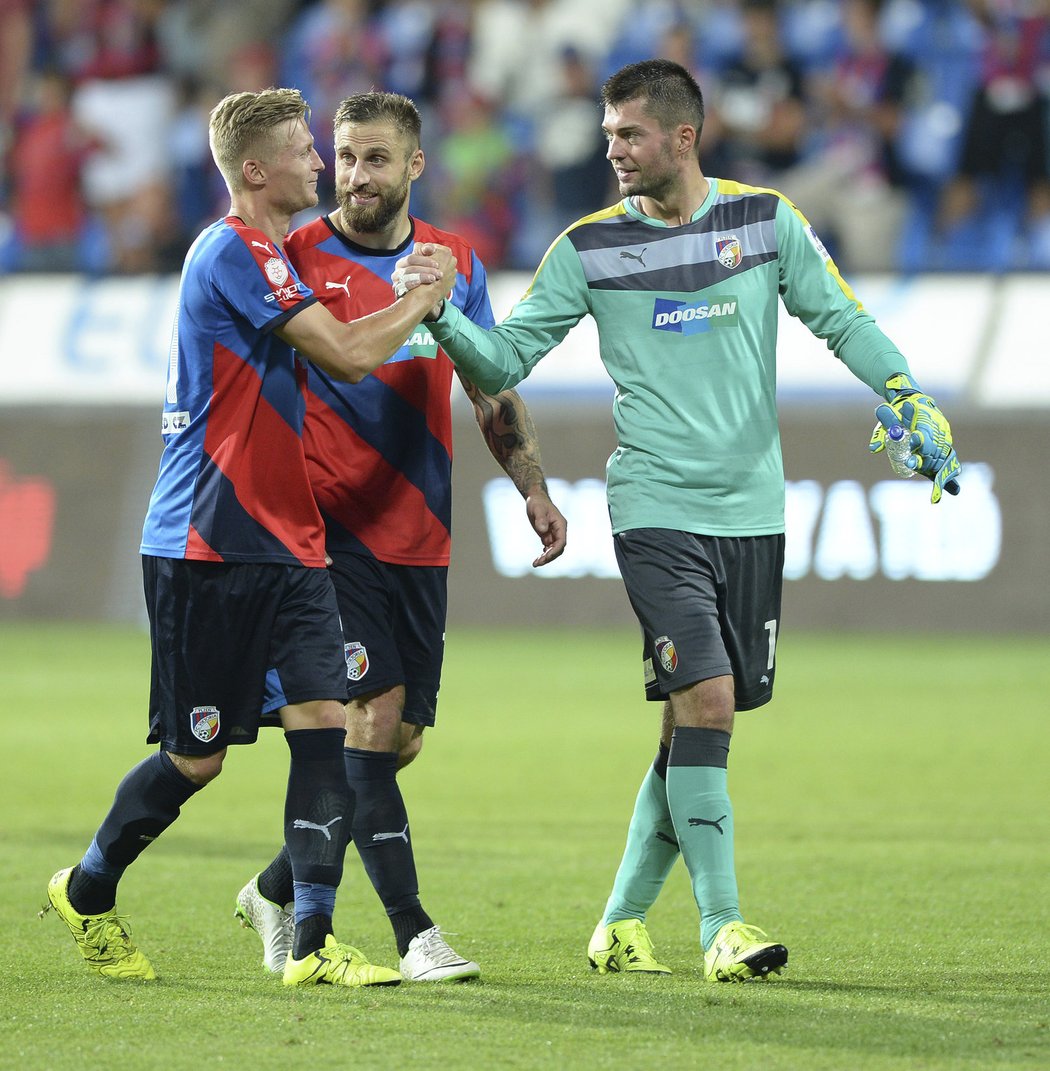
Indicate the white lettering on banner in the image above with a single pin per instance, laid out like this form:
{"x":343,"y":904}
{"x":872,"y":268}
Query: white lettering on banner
{"x":890,"y":530}
{"x":105,"y":341}
{"x":105,"y":328}
{"x":845,"y":544}
{"x":963,"y":542}
{"x":514,"y":544}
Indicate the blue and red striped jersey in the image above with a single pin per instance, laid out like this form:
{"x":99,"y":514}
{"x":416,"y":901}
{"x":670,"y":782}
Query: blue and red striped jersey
{"x":233,"y":482}
{"x":379,"y":452}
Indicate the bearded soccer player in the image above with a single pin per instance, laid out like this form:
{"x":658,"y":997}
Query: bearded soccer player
{"x":684,"y":277}
{"x":379,"y":455}
{"x":233,"y":550}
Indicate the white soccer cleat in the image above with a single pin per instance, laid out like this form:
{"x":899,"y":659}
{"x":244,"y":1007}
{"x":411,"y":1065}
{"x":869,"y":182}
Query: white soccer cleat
{"x":274,"y":924}
{"x":430,"y":959}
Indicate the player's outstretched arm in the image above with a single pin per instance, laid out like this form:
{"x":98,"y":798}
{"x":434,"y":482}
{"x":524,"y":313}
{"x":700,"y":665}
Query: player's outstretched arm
{"x":933,"y":454}
{"x":507,"y":428}
{"x":349,"y":351}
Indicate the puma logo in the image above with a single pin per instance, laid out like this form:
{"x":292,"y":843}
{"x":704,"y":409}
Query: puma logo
{"x":264,"y":245}
{"x":344,"y":286}
{"x":403,"y":835}
{"x":624,"y":255}
{"x":717,"y":823}
{"x":302,"y":823}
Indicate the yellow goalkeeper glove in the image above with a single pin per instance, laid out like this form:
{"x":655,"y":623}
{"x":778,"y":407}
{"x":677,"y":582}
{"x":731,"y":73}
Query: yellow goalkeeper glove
{"x":930,"y":434}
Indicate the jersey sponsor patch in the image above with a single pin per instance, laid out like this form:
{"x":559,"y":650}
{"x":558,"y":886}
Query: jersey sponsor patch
{"x":648,"y":673}
{"x":356,"y":660}
{"x":286,"y":293}
{"x":686,"y":318}
{"x":728,"y":250}
{"x":204,"y":723}
{"x":817,"y":244}
{"x":173,"y":423}
{"x":421,"y":343}
{"x":666,"y":653}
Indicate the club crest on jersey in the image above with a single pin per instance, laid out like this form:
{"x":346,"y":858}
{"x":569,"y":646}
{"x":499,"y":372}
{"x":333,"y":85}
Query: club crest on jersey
{"x":204,"y":723}
{"x":276,"y":271}
{"x":356,"y":660}
{"x":728,"y":251}
{"x":667,"y":654}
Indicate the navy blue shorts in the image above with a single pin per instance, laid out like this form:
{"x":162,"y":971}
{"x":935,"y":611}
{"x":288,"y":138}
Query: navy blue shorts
{"x":393,"y":620}
{"x":217,"y":629}
{"x":708,"y":606}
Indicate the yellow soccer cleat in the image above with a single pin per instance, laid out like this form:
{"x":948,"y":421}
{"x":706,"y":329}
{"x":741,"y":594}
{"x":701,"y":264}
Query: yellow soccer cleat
{"x":337,"y":964}
{"x":623,"y":946}
{"x":104,"y":940}
{"x":740,"y":953}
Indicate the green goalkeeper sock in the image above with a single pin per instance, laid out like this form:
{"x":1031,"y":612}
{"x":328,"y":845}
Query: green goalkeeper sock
{"x":698,"y":798}
{"x":651,"y":849}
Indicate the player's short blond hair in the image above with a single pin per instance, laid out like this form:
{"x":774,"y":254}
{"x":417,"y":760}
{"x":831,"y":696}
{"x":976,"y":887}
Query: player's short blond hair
{"x":243,"y":125}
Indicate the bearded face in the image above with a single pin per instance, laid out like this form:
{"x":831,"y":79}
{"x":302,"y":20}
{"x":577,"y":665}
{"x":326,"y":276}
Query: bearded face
{"x":374,"y":168}
{"x":372,"y":207}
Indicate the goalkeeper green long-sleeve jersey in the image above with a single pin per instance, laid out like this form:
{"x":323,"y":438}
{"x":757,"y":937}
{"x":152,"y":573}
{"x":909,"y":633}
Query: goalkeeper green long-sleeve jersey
{"x":687,"y":325}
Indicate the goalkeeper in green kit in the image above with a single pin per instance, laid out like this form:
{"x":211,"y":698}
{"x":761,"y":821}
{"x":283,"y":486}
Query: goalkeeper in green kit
{"x":683,"y":278}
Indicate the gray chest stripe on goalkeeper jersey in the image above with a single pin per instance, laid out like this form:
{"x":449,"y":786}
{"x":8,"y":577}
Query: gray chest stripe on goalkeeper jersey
{"x":680,"y":252}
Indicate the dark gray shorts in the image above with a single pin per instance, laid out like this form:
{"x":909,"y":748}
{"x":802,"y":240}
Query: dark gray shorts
{"x":708,"y":606}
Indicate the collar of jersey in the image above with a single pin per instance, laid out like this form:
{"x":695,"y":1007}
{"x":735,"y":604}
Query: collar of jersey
{"x":632,"y":210}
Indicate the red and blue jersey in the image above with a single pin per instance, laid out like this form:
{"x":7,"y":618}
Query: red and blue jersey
{"x":233,"y":483}
{"x":379,"y":452}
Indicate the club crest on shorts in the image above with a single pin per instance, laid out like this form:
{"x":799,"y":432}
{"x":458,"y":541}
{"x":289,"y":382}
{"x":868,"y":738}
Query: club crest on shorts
{"x":729,"y":252}
{"x":356,"y":660}
{"x":667,"y":654}
{"x":204,"y":723}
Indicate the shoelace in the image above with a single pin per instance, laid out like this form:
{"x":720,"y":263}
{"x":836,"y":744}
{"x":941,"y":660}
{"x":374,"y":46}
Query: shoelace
{"x":110,"y":936}
{"x":436,"y":948}
{"x":639,"y":941}
{"x":743,"y":933}
{"x":342,"y":958}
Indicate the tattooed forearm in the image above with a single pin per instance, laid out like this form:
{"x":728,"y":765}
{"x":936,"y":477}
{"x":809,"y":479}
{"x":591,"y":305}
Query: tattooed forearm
{"x":510,"y":435}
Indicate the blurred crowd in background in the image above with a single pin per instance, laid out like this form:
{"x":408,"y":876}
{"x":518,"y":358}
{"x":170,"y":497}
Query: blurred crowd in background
{"x":912,"y":133}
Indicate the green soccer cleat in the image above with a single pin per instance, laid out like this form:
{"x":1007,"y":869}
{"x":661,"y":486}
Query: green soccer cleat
{"x":104,"y":940}
{"x":337,"y":964}
{"x":740,"y":953}
{"x":623,"y":946}
{"x":274,"y":924}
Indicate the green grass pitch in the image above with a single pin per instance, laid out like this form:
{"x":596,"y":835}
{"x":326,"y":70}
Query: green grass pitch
{"x":893,"y":829}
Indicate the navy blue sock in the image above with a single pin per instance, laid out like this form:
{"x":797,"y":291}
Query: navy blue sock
{"x":147,"y":801}
{"x":407,"y":924}
{"x":276,"y":882}
{"x":317,"y":810}
{"x":381,"y":835}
